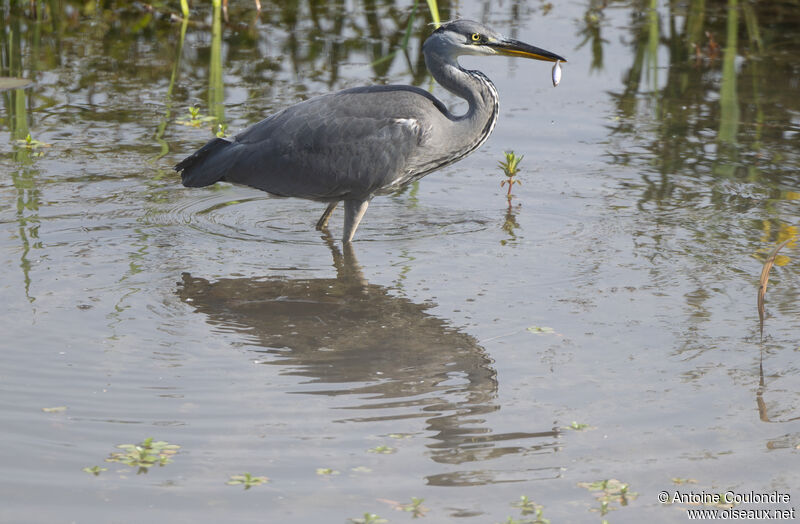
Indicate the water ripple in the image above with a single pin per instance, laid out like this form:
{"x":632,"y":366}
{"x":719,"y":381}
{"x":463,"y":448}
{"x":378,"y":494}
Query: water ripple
{"x":242,"y":216}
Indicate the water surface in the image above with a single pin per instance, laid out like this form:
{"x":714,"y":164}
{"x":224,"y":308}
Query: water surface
{"x":657,"y":177}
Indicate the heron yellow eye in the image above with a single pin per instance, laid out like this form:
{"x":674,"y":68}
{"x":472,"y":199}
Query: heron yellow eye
{"x":476,"y":37}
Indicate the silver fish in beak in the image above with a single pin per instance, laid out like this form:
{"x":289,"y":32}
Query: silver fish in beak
{"x":556,"y":73}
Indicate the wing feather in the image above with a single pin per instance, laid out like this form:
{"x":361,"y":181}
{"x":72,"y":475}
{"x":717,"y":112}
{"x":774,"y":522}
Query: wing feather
{"x":344,"y":145}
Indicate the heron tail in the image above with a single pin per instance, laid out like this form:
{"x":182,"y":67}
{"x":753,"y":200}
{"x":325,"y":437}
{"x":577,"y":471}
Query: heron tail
{"x":206,"y":165}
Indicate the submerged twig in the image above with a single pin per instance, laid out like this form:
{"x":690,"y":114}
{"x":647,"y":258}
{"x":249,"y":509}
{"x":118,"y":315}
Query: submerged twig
{"x":762,"y":284}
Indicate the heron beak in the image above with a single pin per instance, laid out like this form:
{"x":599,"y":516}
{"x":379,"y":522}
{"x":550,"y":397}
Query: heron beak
{"x":517,"y":48}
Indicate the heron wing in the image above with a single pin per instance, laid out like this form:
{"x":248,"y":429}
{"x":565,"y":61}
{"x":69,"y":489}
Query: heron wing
{"x":339,"y":146}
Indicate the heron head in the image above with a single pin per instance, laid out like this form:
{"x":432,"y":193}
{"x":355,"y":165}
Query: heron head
{"x":466,"y":37}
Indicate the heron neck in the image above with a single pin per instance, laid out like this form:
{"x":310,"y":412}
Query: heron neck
{"x":472,"y":86}
{"x":473,"y":128}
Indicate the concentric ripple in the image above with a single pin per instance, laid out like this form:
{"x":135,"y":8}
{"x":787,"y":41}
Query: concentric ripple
{"x":236,"y":213}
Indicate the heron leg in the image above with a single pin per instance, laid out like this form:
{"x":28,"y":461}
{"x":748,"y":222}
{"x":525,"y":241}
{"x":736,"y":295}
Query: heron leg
{"x":322,"y":223}
{"x":353,"y":213}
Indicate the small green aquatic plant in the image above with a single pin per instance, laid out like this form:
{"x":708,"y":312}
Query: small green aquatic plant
{"x":145,"y":455}
{"x":679,"y":481}
{"x":383,"y":449}
{"x":525,"y":505}
{"x":529,"y":507}
{"x":326,"y":471}
{"x":539,"y":518}
{"x":512,"y":520}
{"x":414,"y":507}
{"x":608,"y":491}
{"x":247,"y":480}
{"x":196,"y":119}
{"x":510,"y":169}
{"x":94,"y":470}
{"x":31,"y":143}
{"x":368,"y":518}
{"x":575,"y":426}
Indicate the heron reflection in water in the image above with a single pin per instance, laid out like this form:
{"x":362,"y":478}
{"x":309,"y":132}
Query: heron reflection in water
{"x":358,"y":143}
{"x":351,"y":338}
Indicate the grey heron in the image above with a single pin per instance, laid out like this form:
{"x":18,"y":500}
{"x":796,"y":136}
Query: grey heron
{"x":358,"y":143}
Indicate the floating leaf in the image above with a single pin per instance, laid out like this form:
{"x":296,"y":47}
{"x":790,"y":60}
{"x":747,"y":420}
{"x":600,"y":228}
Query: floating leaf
{"x":57,"y":409}
{"x":539,"y":330}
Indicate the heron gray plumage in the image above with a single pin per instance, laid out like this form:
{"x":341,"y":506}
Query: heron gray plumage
{"x":358,"y":143}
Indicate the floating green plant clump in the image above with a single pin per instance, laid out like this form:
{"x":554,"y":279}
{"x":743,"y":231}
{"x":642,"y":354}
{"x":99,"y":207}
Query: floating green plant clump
{"x":608,"y":491}
{"x":539,"y":520}
{"x":94,"y":470}
{"x":576,"y":426}
{"x":531,"y":511}
{"x":680,"y":481}
{"x":197,"y":119}
{"x":368,"y":518}
{"x":32,"y":144}
{"x":246,"y":480}
{"x":383,"y":449}
{"x":144,"y":455}
{"x":526,"y":505}
{"x":414,"y":507}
